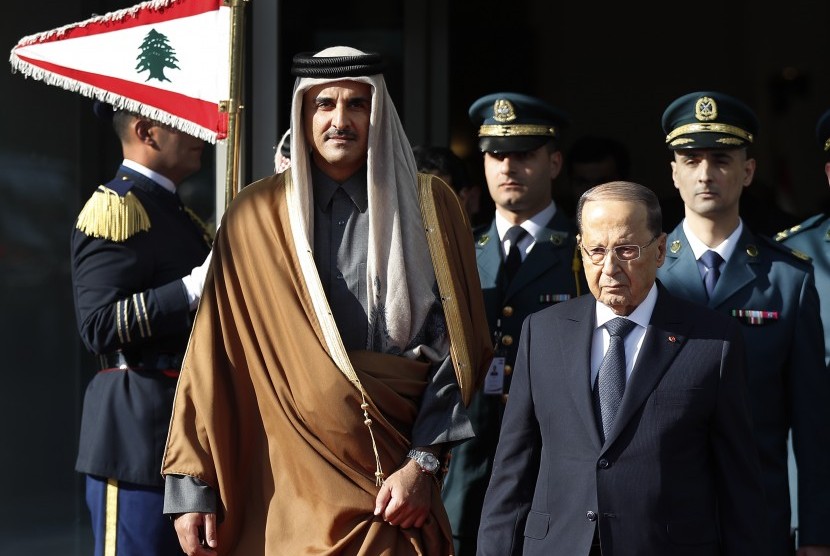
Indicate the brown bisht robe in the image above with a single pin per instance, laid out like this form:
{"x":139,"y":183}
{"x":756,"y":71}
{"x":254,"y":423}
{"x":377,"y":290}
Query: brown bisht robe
{"x":266,"y":418}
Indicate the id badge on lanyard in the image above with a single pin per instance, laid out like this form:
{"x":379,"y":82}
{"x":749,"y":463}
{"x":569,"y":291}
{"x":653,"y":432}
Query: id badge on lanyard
{"x":494,"y":381}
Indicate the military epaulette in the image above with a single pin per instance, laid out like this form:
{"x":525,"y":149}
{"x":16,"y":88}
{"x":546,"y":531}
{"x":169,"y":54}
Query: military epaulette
{"x":806,"y":225}
{"x":113,"y":216}
{"x":801,"y":255}
{"x":786,"y":249}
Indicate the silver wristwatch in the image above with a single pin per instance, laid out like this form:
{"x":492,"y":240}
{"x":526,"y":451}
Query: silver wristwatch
{"x":426,"y":460}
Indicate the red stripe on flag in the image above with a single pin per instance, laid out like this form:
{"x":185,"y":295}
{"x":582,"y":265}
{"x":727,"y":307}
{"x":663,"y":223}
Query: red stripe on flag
{"x":123,"y":19}
{"x":200,"y":112}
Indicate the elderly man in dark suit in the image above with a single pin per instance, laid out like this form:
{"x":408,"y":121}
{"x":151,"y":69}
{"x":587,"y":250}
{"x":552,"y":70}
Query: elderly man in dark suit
{"x":633,"y":441}
{"x":766,"y":287}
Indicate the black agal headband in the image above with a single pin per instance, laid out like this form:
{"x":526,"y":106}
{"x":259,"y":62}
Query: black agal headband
{"x":305,"y":64}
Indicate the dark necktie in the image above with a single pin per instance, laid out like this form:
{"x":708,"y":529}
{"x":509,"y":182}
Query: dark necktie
{"x":710,"y":261}
{"x":514,"y":257}
{"x":610,"y":385}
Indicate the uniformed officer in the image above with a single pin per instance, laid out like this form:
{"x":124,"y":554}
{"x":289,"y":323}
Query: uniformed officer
{"x":138,"y":265}
{"x":525,"y":262}
{"x":812,"y":237}
{"x":714,"y":259}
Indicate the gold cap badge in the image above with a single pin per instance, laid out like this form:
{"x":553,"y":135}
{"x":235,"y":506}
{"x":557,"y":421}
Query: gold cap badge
{"x":706,"y":109}
{"x":503,"y":111}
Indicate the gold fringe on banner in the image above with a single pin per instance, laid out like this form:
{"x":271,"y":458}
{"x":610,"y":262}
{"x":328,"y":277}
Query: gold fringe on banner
{"x":107,"y":215}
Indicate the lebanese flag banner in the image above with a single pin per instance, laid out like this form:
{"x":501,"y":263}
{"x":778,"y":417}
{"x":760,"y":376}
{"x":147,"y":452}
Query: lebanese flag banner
{"x":168,"y":60}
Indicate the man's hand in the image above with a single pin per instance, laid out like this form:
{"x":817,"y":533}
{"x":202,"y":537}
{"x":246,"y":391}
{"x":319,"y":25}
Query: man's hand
{"x":197,"y":533}
{"x":405,"y":497}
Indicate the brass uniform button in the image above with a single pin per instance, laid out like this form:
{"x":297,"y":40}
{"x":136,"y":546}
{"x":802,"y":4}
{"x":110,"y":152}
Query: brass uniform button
{"x":507,"y":311}
{"x":507,"y":340}
{"x":508,"y":370}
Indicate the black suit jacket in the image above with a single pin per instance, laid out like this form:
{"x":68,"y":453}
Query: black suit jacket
{"x":678,"y":474}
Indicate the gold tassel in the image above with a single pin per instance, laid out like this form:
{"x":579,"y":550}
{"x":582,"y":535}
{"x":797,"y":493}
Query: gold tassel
{"x":107,"y":215}
{"x":576,"y":266}
{"x":368,"y":422}
{"x":207,"y":233}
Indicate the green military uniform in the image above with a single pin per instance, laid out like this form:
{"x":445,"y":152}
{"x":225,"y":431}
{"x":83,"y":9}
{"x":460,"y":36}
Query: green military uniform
{"x":812,"y":238}
{"x":511,"y":122}
{"x":771,"y":291}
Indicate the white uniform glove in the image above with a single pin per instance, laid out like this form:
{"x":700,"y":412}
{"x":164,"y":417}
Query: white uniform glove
{"x":195,"y":282}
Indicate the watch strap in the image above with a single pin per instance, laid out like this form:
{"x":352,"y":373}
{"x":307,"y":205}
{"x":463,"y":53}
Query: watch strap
{"x":420,"y":457}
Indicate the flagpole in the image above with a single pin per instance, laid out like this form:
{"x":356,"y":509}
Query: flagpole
{"x":233,"y":105}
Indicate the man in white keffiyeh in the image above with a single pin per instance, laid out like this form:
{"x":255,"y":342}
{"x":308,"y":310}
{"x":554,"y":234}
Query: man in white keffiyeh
{"x":339,"y":339}
{"x":400,"y":278}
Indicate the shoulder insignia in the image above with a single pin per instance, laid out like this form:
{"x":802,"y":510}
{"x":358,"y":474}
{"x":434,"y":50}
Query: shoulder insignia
{"x":801,"y":255}
{"x":108,"y":215}
{"x":784,"y":234}
{"x":784,"y":248}
{"x":808,"y":224}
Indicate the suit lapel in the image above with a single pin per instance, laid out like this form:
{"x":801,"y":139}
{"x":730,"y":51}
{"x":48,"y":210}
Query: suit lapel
{"x":664,"y":338}
{"x":739,"y":270}
{"x":680,"y":273}
{"x":576,"y":334}
{"x":489,"y":257}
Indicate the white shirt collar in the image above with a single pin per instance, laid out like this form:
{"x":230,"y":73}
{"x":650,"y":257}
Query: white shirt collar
{"x":726,"y":247}
{"x":534,"y":225}
{"x":641,"y":315}
{"x":166,"y":183}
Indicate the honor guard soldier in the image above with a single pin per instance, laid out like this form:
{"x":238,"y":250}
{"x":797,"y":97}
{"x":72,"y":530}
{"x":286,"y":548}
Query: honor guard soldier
{"x":714,"y":259}
{"x":812,"y":237}
{"x":526,"y":262}
{"x":138,"y":264}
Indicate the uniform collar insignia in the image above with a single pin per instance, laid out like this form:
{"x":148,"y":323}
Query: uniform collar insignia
{"x":675,"y":246}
